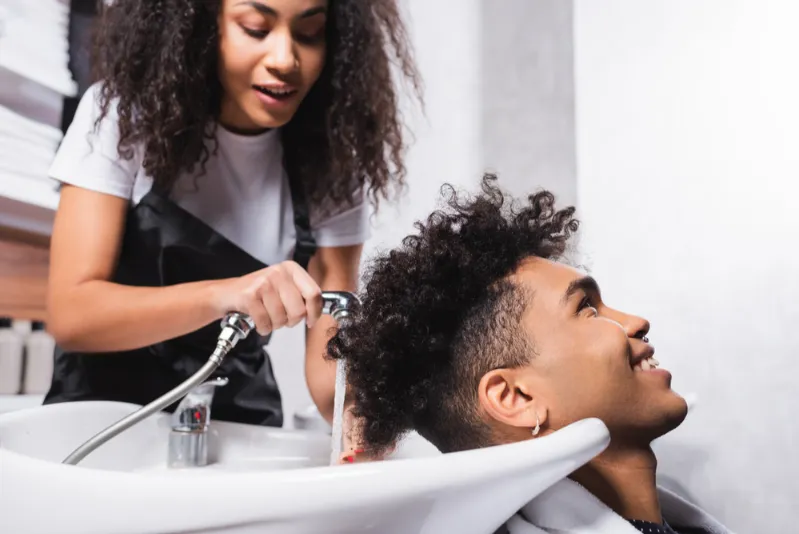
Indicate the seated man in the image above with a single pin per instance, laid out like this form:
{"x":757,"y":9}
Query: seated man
{"x":474,"y":333}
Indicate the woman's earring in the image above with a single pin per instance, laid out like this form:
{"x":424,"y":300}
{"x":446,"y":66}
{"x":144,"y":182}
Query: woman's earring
{"x":537,"y":428}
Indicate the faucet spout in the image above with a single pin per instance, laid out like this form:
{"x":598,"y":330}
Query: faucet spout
{"x":188,"y":440}
{"x":235,"y":327}
{"x":194,"y":411}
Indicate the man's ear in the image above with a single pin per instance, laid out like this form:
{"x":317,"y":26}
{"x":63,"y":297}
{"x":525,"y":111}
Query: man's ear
{"x":507,"y":398}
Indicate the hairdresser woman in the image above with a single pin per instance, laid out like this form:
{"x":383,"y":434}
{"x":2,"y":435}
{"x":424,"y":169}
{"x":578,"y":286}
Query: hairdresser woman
{"x":225,"y":160}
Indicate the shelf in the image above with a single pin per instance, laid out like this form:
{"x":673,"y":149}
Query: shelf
{"x":62,"y":87}
{"x":34,"y":79}
{"x":34,"y":43}
{"x":27,"y":205}
{"x":34,"y":192}
{"x":30,"y":99}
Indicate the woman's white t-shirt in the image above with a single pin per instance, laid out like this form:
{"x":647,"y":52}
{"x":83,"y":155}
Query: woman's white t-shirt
{"x":244,"y":194}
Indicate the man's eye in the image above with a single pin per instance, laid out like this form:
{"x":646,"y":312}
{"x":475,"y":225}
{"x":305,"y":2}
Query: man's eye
{"x":587,"y":307}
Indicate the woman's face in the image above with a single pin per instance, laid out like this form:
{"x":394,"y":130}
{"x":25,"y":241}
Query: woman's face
{"x":271,"y":52}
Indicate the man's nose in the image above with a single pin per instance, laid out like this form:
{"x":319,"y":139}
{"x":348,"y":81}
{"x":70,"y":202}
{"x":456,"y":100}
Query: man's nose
{"x":634,"y":326}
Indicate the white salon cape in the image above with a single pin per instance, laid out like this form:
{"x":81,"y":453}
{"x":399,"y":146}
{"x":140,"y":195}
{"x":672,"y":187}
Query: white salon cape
{"x":567,"y":507}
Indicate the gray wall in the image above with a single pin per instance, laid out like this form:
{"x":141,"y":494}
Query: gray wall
{"x":527,"y":111}
{"x":687,"y":124}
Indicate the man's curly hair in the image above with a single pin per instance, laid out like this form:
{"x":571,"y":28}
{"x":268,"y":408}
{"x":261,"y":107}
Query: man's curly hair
{"x":159,"y":58}
{"x":441,"y":311}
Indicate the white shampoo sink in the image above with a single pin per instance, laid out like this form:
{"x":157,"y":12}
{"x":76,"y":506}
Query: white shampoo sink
{"x":261,"y":480}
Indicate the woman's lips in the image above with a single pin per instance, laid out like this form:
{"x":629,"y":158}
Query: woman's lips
{"x":275,"y":100}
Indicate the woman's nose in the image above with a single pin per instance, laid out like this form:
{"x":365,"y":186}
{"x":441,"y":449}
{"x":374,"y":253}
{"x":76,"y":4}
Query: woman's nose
{"x":280,"y":56}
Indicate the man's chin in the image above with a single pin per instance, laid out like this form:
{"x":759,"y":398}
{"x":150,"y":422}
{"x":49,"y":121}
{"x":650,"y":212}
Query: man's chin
{"x":672,"y":413}
{"x":655,"y":420}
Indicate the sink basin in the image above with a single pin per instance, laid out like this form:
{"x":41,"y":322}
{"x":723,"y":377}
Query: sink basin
{"x":51,"y":432}
{"x":262,"y":480}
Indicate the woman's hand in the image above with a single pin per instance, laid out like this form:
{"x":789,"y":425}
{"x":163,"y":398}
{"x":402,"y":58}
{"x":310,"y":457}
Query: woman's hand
{"x":357,"y":456}
{"x":280,"y":295}
{"x":353,"y":444}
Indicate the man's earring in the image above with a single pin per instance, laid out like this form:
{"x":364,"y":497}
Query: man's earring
{"x":537,"y":428}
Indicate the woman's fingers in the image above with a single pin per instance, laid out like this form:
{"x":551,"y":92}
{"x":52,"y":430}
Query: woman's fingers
{"x":270,"y":297}
{"x":289,"y":295}
{"x":278,"y":296}
{"x":309,"y":290}
{"x":361,"y":456}
{"x":254,"y":306}
{"x":292,"y":300}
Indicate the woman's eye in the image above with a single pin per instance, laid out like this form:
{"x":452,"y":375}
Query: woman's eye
{"x":310,"y":33}
{"x":313,"y":38}
{"x":256,"y":34}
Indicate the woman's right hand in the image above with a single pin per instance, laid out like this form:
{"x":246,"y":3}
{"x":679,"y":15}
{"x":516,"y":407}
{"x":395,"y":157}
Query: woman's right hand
{"x":274,"y":297}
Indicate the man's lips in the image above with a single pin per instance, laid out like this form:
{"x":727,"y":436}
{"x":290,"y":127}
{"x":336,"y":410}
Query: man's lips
{"x":645,"y":355}
{"x":645,"y":361}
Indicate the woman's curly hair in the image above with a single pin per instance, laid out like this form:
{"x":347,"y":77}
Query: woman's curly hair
{"x":158,"y":58}
{"x":440,"y":311}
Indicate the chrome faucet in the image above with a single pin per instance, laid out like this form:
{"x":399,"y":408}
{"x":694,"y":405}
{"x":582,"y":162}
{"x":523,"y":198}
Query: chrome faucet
{"x":188,"y":440}
{"x":235,"y":327}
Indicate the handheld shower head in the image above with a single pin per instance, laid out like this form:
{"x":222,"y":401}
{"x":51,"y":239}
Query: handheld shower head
{"x":236,"y":326}
{"x":339,"y":304}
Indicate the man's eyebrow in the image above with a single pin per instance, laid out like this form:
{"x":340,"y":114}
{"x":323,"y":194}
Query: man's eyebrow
{"x":586,"y":284}
{"x":266,"y":10}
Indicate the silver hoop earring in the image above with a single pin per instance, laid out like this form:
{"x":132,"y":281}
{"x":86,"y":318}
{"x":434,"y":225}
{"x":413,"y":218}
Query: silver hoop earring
{"x":645,"y":339}
{"x":537,"y":428}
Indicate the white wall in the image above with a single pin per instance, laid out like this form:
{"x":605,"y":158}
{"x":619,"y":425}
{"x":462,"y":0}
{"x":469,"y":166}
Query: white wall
{"x":446,"y":37}
{"x":687,"y":131}
{"x":527,"y":73}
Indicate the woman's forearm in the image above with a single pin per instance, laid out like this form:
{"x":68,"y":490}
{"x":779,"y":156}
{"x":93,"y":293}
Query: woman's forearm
{"x":335,"y":269}
{"x":320,"y":373}
{"x":100,"y":316}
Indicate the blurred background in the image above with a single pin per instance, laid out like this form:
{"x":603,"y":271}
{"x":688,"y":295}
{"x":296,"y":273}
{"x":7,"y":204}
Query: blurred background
{"x":671,"y":124}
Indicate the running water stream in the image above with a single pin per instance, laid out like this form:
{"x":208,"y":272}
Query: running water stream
{"x":337,"y":440}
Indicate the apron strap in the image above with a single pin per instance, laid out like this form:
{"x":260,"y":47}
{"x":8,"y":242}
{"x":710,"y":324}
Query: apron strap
{"x":161,"y":190}
{"x":305,"y":247}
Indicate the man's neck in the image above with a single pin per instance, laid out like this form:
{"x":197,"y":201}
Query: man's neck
{"x":625,"y":481}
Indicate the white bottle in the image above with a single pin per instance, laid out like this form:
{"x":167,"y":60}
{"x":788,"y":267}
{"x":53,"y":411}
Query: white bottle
{"x":11,"y":348}
{"x":23,"y":326}
{"x":39,"y":349}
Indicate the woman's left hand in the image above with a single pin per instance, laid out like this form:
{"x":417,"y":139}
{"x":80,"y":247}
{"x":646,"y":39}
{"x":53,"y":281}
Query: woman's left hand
{"x":362,"y":456}
{"x":355,"y":451}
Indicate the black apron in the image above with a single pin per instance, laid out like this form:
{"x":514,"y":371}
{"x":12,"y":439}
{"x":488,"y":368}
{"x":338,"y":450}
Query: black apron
{"x":165,"y":245}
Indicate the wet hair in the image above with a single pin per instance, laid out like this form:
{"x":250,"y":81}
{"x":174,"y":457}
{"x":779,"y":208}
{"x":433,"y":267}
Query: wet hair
{"x":440,"y":311}
{"x":159,"y":58}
